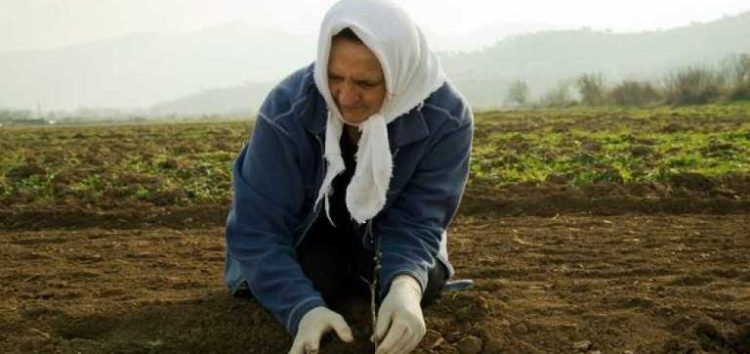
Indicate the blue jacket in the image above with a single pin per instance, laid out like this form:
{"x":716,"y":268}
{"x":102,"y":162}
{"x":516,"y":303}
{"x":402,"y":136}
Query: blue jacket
{"x":277,"y":176}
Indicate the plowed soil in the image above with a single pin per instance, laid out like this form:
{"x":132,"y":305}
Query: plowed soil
{"x":563,"y":284}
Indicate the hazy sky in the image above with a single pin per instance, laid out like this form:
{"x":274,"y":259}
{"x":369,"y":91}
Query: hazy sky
{"x":37,"y":24}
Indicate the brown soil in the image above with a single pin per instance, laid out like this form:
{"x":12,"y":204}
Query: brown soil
{"x":685,"y":193}
{"x":565,"y":284}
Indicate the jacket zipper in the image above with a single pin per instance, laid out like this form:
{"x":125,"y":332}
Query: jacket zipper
{"x":316,"y":208}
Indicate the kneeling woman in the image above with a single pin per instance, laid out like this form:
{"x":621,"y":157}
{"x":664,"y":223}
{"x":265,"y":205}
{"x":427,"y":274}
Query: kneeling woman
{"x":363,"y":153}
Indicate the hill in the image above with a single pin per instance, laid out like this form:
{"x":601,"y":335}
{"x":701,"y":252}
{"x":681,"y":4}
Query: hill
{"x":544,"y":59}
{"x":230,"y":68}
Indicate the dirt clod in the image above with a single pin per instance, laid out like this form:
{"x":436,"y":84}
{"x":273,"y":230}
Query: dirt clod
{"x":469,"y":345}
{"x":582,"y":346}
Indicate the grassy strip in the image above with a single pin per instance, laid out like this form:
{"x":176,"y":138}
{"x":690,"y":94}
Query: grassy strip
{"x":185,"y":165}
{"x":581,"y":146}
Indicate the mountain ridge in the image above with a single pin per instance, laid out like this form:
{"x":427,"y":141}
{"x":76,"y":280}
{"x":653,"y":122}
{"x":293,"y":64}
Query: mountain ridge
{"x":179,"y":71}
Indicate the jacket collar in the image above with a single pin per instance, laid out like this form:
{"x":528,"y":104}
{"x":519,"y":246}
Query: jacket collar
{"x":315,"y":119}
{"x":409,"y":128}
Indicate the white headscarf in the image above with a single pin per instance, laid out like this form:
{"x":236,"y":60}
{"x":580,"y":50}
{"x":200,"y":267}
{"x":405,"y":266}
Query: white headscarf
{"x":412,"y":72}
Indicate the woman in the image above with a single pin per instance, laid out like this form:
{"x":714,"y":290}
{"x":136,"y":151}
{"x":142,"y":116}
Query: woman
{"x":364,"y":152}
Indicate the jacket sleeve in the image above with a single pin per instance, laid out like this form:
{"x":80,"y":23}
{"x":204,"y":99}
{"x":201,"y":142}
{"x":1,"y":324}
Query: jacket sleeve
{"x":410,"y":230}
{"x":266,"y":207}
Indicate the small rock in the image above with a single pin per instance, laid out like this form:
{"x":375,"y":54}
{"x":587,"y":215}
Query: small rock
{"x":628,"y":352}
{"x":437,"y":343}
{"x":583,"y":345}
{"x":453,"y":337}
{"x":469,"y":345}
{"x":448,"y":349}
{"x":44,"y":294}
{"x":520,"y":328}
{"x":432,"y":339}
{"x":39,"y":333}
{"x":80,"y":345}
{"x":493,"y":345}
{"x":155,"y":343}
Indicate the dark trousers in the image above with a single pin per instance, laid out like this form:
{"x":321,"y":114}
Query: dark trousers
{"x":340,"y":267}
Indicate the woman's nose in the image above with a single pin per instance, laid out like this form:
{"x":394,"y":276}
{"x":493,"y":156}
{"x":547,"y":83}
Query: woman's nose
{"x":347,"y":94}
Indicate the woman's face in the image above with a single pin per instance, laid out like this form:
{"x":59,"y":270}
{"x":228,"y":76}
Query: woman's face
{"x":355,"y":80}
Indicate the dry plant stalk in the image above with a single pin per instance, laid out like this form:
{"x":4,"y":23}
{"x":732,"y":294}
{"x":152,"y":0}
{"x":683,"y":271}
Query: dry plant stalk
{"x":373,"y":294}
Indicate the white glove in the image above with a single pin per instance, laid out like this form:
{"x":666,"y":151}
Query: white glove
{"x":313,"y":325}
{"x":400,"y":315}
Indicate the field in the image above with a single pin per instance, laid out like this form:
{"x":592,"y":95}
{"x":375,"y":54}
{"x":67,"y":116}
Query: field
{"x":586,"y":230}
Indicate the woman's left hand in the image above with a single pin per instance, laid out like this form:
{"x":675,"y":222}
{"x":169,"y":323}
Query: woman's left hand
{"x":400,"y":323}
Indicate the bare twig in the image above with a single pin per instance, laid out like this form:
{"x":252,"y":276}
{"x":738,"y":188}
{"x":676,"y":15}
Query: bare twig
{"x":377,"y":259}
{"x":373,"y":294}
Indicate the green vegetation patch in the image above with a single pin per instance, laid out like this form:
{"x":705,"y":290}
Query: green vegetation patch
{"x":666,"y":152}
{"x":119,"y":166}
{"x":583,"y":146}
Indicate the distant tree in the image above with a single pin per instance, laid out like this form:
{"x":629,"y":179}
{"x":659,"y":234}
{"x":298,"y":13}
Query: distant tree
{"x":737,"y":71}
{"x":591,"y":88}
{"x":10,"y":115}
{"x":736,"y":68}
{"x":693,"y":85}
{"x":518,"y":92}
{"x":634,"y":93}
{"x":558,"y":96}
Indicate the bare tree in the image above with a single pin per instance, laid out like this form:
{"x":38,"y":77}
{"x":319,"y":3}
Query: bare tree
{"x":591,"y":88}
{"x":558,"y":96}
{"x":736,"y":69}
{"x":634,"y":93}
{"x":518,"y":93}
{"x":693,"y":85}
